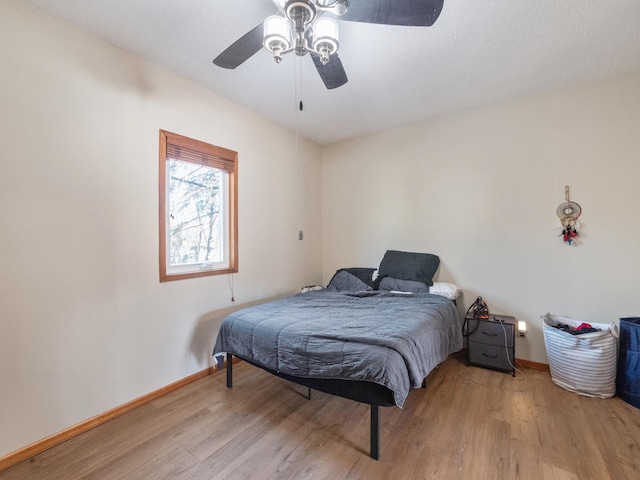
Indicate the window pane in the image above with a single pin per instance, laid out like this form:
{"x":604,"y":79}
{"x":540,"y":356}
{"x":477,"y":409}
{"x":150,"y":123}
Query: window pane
{"x":198,"y":191}
{"x":195,"y":214}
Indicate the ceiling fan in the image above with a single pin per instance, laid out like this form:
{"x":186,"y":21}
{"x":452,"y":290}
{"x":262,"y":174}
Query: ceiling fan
{"x":301,"y":27}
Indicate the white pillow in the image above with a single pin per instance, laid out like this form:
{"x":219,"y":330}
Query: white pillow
{"x":448,"y":290}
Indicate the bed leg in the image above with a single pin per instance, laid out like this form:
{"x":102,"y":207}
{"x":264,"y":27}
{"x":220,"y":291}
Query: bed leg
{"x":424,"y":382}
{"x":375,"y":433}
{"x":308,"y":393}
{"x":229,"y":370}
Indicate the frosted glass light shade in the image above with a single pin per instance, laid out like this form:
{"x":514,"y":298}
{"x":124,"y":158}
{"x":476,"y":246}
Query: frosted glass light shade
{"x":325,"y":34}
{"x":276,"y":33}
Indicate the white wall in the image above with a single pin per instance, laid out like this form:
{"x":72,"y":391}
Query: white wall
{"x":480,"y":189}
{"x":85,"y":325}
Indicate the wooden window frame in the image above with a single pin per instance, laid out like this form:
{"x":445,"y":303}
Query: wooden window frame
{"x":213,"y":156}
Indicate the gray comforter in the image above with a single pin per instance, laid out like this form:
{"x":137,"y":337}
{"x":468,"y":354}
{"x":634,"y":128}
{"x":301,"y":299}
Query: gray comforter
{"x":387,"y":338}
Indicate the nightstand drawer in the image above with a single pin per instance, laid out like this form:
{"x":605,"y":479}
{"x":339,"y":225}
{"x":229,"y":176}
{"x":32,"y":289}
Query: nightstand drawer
{"x":490,"y":332}
{"x":490,"y":356}
{"x":489,"y":340}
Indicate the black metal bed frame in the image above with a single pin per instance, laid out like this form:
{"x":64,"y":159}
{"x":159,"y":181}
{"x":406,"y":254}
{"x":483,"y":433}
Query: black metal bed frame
{"x":373,"y":394}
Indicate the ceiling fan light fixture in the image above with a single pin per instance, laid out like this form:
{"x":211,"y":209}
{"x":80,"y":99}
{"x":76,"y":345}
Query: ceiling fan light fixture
{"x":325,"y":38}
{"x":277,"y":36}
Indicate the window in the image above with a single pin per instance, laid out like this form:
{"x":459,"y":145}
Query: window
{"x":198,"y":208}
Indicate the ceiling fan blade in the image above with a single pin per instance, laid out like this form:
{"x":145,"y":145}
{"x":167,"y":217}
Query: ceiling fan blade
{"x":241,"y":50}
{"x":332,"y":74}
{"x":410,"y":13}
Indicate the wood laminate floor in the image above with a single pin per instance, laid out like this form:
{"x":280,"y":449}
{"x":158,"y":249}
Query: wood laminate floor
{"x":469,"y":423}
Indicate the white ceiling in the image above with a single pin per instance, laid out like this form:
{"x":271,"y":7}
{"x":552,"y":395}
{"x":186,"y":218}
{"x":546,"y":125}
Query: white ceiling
{"x":478,"y":53}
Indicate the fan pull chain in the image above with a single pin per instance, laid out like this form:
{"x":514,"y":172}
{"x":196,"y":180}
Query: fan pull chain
{"x":298,"y":162}
{"x":298,"y":93}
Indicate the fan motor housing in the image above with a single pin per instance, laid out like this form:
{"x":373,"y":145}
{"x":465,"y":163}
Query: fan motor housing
{"x":301,"y":13}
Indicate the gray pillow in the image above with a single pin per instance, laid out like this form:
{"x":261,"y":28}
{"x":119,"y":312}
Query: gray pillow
{"x":344,"y":281}
{"x":418,"y":267}
{"x":396,"y":284}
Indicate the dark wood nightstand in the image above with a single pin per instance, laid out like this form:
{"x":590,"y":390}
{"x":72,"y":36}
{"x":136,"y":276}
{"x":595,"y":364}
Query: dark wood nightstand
{"x":491,"y":343}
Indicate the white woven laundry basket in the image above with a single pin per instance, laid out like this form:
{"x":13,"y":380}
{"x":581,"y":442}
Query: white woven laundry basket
{"x":585,"y":363}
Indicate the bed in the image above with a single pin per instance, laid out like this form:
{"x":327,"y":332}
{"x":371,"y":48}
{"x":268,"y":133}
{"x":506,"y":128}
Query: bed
{"x":359,"y":338}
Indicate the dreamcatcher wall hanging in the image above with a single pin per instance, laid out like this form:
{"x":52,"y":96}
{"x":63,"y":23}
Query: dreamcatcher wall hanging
{"x":568,"y":213}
